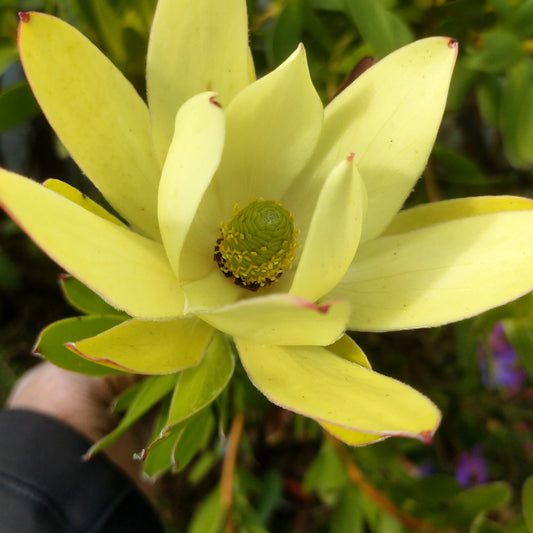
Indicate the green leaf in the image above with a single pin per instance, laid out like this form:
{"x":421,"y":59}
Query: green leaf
{"x":489,"y":96}
{"x":467,"y":505}
{"x":85,"y":300}
{"x":17,"y":106}
{"x":110,"y":28}
{"x":188,"y":423}
{"x":192,"y":437}
{"x":9,"y":274}
{"x":381,"y":29}
{"x":348,"y":517}
{"x":122,"y":402}
{"x":520,"y":335}
{"x":330,"y":5}
{"x":152,"y":390}
{"x":8,"y":55}
{"x":516,"y":114}
{"x":503,"y":8}
{"x":286,"y":33}
{"x":198,"y":386}
{"x":500,"y":50}
{"x":456,"y":168}
{"x":522,"y":20}
{"x":52,"y":340}
{"x":463,"y":79}
{"x":202,"y":465}
{"x":527,"y":503}
{"x":436,"y":488}
{"x":326,"y":475}
{"x":159,"y":456}
{"x":209,"y":518}
{"x":270,"y":496}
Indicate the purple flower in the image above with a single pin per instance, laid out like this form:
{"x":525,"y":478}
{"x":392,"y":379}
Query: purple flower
{"x":471,"y":468}
{"x":500,"y":366}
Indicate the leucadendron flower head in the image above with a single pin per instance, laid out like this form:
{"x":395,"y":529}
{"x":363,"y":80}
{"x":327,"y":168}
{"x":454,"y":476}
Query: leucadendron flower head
{"x":253,"y":211}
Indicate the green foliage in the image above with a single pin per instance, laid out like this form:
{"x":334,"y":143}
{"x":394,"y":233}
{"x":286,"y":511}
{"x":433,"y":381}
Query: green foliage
{"x":51,"y":342}
{"x":470,"y":504}
{"x":527,"y":503}
{"x":85,"y":300}
{"x":210,"y":515}
{"x":18,"y":106}
{"x":147,"y":395}
{"x":198,"y":386}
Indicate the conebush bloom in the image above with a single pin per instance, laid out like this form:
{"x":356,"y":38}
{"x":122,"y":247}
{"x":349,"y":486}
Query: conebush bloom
{"x":249,"y":212}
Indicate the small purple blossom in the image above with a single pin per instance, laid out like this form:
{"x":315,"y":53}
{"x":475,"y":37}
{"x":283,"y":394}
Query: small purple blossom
{"x":499,"y":364}
{"x":471,"y":468}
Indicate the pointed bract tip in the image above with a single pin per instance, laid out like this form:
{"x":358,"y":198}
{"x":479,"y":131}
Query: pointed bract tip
{"x":212,"y":99}
{"x":323,"y":308}
{"x":141,"y":456}
{"x":350,"y":157}
{"x":453,"y":43}
{"x":426,"y":437}
{"x":306,"y":304}
{"x":24,"y":17}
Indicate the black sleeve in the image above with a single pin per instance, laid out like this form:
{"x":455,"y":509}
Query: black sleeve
{"x":46,"y":487}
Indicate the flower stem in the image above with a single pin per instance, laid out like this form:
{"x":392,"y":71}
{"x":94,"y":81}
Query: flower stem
{"x":228,"y":468}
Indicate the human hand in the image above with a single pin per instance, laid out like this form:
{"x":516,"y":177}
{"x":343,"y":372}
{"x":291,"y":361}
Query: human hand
{"x":84,"y":403}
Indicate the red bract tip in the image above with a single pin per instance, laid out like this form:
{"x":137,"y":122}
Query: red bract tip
{"x":24,"y":17}
{"x":453,"y":43}
{"x":323,"y":308}
{"x":426,"y":436}
{"x":350,"y":157}
{"x":213,"y":101}
{"x":306,"y":304}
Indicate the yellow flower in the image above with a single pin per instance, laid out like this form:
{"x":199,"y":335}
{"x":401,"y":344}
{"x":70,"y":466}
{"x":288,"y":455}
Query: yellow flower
{"x":253,"y":211}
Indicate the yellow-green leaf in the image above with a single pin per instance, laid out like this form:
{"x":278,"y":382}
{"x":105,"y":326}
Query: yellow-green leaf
{"x":388,"y":117}
{"x":437,"y":212}
{"x":281,"y":319}
{"x":440,"y":273}
{"x":195,"y":46}
{"x":148,"y":347}
{"x":332,"y":240}
{"x":52,"y":340}
{"x":96,"y":113}
{"x":196,"y":150}
{"x":72,"y":194}
{"x":129,"y":271}
{"x":317,"y":383}
{"x":198,"y":386}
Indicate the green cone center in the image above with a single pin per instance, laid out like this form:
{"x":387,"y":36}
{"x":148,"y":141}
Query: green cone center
{"x":257,"y":244}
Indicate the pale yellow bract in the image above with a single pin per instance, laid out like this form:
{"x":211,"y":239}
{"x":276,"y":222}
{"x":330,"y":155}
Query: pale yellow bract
{"x":210,"y":138}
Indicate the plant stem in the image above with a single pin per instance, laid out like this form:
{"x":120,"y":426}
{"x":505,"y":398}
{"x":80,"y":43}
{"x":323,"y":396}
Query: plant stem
{"x":358,"y":478}
{"x":228,"y":469}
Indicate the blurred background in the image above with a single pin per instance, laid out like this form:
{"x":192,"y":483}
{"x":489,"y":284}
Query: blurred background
{"x":289,"y":477}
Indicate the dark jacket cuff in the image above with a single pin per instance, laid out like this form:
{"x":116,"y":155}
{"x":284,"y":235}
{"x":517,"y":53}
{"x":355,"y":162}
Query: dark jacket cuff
{"x":46,"y":486}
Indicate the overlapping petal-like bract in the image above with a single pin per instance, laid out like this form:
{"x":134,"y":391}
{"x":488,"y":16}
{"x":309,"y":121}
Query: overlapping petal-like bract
{"x":211,"y":137}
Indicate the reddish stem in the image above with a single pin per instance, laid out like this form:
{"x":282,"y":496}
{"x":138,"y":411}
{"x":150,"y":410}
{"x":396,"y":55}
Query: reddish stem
{"x":358,"y":478}
{"x":228,"y":469}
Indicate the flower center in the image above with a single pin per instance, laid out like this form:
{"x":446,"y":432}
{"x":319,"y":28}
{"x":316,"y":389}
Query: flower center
{"x":257,"y":244}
